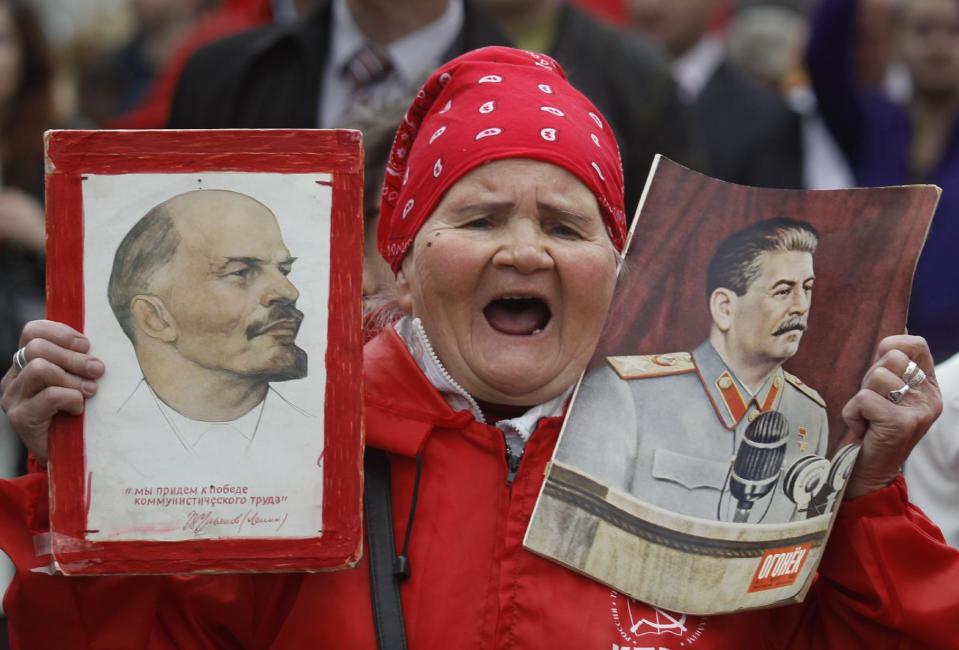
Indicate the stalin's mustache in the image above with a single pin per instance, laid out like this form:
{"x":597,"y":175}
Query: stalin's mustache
{"x":794,"y":324}
{"x":282,"y":313}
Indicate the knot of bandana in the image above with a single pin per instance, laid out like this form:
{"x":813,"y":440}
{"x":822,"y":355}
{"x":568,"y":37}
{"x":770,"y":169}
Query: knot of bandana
{"x":490,"y":104}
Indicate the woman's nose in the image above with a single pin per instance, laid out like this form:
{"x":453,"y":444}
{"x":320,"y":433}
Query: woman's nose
{"x":524,"y":249}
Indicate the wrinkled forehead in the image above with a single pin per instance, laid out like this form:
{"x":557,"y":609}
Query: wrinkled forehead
{"x":507,"y":179}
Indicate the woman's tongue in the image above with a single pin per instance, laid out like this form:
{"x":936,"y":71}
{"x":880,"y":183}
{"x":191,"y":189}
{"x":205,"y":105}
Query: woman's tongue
{"x":517,"y":316}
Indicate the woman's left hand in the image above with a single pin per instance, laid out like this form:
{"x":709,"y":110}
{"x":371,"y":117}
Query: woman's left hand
{"x":888,"y":431}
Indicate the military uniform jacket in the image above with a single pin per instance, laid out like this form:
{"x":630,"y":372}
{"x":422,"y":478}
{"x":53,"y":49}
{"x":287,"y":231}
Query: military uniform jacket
{"x":665,"y":428}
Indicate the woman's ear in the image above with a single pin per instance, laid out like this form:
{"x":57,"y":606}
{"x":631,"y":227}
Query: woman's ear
{"x":404,"y":294}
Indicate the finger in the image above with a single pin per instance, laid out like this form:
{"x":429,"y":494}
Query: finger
{"x":914,"y":347}
{"x":60,"y":333}
{"x":853,"y":416}
{"x":41,"y":374}
{"x":8,"y":378}
{"x":31,"y":419}
{"x":892,"y":361}
{"x":882,"y":381}
{"x":895,"y":360}
{"x":73,"y":362}
{"x":58,"y":399}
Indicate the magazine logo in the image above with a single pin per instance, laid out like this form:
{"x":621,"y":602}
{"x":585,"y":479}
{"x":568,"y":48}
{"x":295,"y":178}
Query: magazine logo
{"x":779,"y":567}
{"x":644,"y":627}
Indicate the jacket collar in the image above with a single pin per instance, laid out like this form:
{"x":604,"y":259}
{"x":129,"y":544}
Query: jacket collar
{"x":401,"y":405}
{"x":730,"y":398}
{"x":408,"y":392}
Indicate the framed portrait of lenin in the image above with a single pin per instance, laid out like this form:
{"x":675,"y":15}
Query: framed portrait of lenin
{"x":218,"y":276}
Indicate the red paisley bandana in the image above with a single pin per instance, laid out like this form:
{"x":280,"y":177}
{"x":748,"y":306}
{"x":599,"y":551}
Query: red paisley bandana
{"x":490,"y":104}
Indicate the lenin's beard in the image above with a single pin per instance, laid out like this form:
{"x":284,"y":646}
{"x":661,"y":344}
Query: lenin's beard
{"x":289,"y":360}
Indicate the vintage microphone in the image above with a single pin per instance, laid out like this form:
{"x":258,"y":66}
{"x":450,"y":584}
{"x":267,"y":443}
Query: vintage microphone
{"x":758,"y":461}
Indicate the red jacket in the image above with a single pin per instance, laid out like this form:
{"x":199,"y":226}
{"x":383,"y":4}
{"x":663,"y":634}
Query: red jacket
{"x":887,"y":580}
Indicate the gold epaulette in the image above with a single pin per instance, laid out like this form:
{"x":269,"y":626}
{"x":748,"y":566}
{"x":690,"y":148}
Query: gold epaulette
{"x":804,"y":389}
{"x":642,"y":366}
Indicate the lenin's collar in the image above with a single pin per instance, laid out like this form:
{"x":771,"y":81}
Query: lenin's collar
{"x":191,"y":432}
{"x":730,"y":398}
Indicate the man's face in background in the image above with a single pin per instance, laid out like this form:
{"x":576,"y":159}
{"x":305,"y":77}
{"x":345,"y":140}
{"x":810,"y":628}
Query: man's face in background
{"x":930,"y":45}
{"x":768,"y":321}
{"x":674,"y":25}
{"x":227,"y":291}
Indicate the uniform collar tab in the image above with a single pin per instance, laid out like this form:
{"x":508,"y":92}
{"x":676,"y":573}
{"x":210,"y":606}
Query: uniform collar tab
{"x":730,"y":397}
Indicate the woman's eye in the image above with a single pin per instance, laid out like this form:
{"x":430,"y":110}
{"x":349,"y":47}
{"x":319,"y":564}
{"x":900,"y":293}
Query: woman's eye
{"x":562,"y":230}
{"x":480,"y":223}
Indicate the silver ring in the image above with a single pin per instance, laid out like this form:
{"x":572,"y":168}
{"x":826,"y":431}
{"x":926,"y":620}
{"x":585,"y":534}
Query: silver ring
{"x":917,"y":378}
{"x":20,"y":359}
{"x":895,"y":396}
{"x":910,"y":370}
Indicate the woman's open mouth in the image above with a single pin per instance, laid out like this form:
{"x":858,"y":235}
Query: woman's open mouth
{"x":518,"y":315}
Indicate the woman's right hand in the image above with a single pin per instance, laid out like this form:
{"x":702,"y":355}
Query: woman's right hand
{"x":58,"y":377}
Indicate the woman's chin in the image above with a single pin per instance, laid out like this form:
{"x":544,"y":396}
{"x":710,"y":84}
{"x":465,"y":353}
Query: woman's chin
{"x":521,"y":377}
{"x":522,"y":368}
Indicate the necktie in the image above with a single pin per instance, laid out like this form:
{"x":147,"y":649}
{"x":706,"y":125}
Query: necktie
{"x":369,"y":65}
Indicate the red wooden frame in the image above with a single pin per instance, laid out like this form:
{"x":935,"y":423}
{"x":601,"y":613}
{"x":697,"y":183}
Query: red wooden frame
{"x":70,"y":155}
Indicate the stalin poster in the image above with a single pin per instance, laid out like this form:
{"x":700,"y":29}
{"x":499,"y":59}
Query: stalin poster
{"x":706,"y":435}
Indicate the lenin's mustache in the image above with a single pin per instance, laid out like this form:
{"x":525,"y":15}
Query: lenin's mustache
{"x":794,"y":324}
{"x":281,"y":311}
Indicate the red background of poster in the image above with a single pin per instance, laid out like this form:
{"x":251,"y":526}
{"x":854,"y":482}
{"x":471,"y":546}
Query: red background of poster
{"x":869,"y":242}
{"x":71,"y":154}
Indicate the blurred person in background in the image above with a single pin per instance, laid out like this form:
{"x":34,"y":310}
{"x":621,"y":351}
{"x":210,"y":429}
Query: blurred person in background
{"x":378,"y":125}
{"x":750,"y":136}
{"x":887,"y":143}
{"x":628,"y":79}
{"x":230,"y":17}
{"x":120,"y":78}
{"x":876,"y":48}
{"x":767,"y":40}
{"x":26,"y":110}
{"x":301,"y":74}
{"x":311,"y":71}
{"x":932,"y":469}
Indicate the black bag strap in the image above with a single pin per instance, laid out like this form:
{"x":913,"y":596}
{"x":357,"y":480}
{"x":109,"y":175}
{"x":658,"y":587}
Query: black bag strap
{"x":384,"y":582}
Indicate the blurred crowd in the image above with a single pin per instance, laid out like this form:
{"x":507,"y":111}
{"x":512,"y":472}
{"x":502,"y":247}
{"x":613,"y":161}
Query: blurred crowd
{"x":779,"y":93}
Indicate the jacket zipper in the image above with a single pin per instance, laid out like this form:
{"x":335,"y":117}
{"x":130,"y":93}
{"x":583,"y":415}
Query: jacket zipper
{"x":421,"y":333}
{"x":512,"y":461}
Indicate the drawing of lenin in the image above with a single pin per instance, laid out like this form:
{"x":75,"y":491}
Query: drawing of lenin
{"x":200,"y":287}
